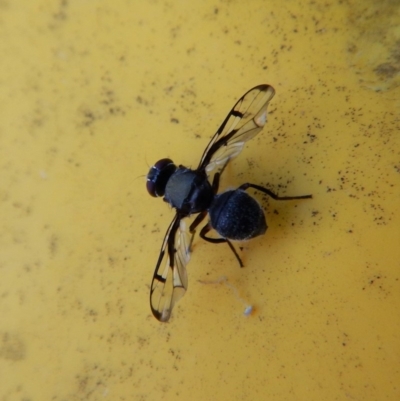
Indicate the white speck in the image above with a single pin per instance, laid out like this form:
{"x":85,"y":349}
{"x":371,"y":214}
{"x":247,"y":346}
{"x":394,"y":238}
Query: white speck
{"x":248,"y":310}
{"x":224,"y":280}
{"x":43,"y":175}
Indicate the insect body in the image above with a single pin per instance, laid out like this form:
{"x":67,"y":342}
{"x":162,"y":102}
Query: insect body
{"x":234,"y":214}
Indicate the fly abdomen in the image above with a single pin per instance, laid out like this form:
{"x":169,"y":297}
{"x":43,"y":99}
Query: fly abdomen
{"x":236,"y":215}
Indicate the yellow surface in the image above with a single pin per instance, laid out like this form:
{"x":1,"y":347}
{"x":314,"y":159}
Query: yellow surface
{"x":89,"y":92}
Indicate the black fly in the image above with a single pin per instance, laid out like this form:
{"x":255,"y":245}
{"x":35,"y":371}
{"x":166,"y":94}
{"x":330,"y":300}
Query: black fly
{"x":234,"y":214}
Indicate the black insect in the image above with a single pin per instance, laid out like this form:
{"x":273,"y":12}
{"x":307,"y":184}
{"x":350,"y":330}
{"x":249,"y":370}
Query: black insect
{"x":234,"y":214}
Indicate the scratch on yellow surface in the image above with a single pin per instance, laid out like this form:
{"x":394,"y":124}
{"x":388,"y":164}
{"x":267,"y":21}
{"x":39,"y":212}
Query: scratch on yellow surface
{"x":92,"y":94}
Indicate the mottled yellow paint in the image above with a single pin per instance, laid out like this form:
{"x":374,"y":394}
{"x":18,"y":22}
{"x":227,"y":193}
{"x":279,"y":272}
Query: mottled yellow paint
{"x":94,"y":92}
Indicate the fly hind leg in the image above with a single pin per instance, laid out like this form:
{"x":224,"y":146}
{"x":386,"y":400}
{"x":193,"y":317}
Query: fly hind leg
{"x":271,"y":194}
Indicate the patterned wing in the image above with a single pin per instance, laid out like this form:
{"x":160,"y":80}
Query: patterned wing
{"x":169,"y":282}
{"x":246,"y":119}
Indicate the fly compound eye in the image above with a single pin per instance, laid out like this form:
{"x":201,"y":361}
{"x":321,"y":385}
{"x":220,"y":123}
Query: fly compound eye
{"x":158,"y":177}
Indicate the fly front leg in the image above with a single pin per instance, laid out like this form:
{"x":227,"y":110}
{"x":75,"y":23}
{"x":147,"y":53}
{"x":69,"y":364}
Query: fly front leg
{"x":192,"y":229}
{"x":201,"y":216}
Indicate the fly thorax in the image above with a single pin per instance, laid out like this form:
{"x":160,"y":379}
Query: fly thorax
{"x":188,"y":191}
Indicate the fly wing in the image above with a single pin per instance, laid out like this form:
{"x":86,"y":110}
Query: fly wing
{"x":246,"y":119}
{"x":169,"y":282}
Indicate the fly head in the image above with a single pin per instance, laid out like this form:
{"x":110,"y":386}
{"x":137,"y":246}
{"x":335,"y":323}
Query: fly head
{"x":158,"y":177}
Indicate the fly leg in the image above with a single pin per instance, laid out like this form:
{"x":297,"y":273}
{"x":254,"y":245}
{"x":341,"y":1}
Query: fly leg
{"x":201,"y":216}
{"x":271,"y":194}
{"x":206,"y":229}
{"x":192,"y":229}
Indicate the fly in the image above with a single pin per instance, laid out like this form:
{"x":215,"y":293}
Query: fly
{"x":233,"y":214}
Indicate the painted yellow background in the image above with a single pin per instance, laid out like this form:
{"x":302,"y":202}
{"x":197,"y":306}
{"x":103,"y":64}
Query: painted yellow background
{"x":92,"y":93}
